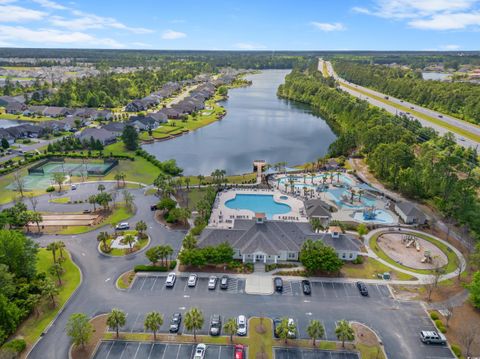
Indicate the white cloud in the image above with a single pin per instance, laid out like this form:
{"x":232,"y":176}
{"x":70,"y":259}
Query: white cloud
{"x":50,"y":4}
{"x":86,"y":21}
{"x":450,"y":47}
{"x":173,"y":35}
{"x":249,"y":46}
{"x":141,"y":45}
{"x":52,"y":36}
{"x":447,"y":21}
{"x":12,"y":13}
{"x":428,"y":14}
{"x":326,"y":26}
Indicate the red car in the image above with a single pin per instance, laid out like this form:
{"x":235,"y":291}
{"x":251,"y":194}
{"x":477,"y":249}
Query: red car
{"x":239,"y":351}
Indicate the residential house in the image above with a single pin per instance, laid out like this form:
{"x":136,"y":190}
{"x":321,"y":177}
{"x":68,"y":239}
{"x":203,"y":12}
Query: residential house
{"x":316,"y":208}
{"x":15,"y":108}
{"x":115,"y":127}
{"x":136,"y":105}
{"x":272,"y":241}
{"x":100,"y":134}
{"x":4,"y":134}
{"x":410,"y":214}
{"x":54,"y":111}
{"x":171,"y":113}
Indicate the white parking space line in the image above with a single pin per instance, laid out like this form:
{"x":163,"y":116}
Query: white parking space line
{"x":154,"y":282}
{"x":163,"y":355}
{"x":123,"y":351}
{"x":109,"y":350}
{"x":178,"y":351}
{"x":323,"y":290}
{"x":345,"y":289}
{"x":150,"y":352}
{"x":143,"y":283}
{"x":138,"y":348}
{"x":135,"y":322}
{"x":220,"y":353}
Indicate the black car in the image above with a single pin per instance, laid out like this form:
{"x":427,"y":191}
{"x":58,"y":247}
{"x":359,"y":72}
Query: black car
{"x":153,"y":207}
{"x":362,"y":288}
{"x":276,"y":323}
{"x":278,"y":283}
{"x":215,"y":325}
{"x":224,"y":282}
{"x":175,"y":322}
{"x":306,"y":287}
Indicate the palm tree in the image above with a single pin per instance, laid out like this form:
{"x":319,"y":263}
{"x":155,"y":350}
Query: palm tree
{"x":116,"y":319}
{"x":56,"y":269}
{"x":53,"y":246}
{"x":61,"y":247}
{"x":93,"y":200}
{"x":48,"y":289}
{"x":315,"y":330}
{"x":200,"y":180}
{"x":141,"y":227}
{"x":344,"y":331}
{"x":129,"y":239}
{"x":168,"y":251}
{"x":194,"y":321}
{"x":153,"y":321}
{"x":103,"y":237}
{"x":230,"y":327}
{"x":187,"y":183}
{"x":117,"y":178}
{"x":101,"y":187}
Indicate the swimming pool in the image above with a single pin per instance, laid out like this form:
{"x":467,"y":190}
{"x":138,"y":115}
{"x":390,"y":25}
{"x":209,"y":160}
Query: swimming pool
{"x":381,"y":217}
{"x":258,"y":203}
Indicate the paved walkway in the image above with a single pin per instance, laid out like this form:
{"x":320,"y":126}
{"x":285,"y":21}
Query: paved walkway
{"x":422,"y":278}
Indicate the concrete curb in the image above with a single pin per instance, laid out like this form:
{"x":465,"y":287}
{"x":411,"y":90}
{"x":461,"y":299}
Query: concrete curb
{"x":124,"y":289}
{"x":60,"y":311}
{"x":380,"y":341}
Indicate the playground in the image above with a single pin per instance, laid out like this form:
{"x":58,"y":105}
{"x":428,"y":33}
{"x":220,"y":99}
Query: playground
{"x":411,"y":251}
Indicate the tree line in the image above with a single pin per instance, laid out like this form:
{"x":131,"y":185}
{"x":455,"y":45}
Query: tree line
{"x":459,"y":99}
{"x":410,"y":159}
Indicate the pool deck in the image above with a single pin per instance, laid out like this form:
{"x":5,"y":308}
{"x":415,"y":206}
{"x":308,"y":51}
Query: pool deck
{"x":223,"y":217}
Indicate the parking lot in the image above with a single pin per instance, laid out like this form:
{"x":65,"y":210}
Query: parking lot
{"x":296,"y":353}
{"x":144,"y":350}
{"x":148,"y":285}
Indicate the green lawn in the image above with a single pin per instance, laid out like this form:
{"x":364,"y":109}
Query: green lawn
{"x":236,"y":179}
{"x":61,"y":200}
{"x":369,"y":269}
{"x":434,"y":120}
{"x":123,"y":252}
{"x":139,"y":170}
{"x":448,"y":268}
{"x":9,"y":116}
{"x":119,"y":214}
{"x":33,"y":327}
{"x":7,"y":195}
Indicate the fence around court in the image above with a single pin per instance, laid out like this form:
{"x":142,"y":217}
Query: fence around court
{"x":52,"y":165}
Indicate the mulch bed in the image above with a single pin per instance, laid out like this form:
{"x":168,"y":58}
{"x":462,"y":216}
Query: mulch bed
{"x":174,"y":226}
{"x":208,"y":269}
{"x":99,"y":327}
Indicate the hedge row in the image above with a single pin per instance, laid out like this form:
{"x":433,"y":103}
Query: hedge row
{"x":149,"y":268}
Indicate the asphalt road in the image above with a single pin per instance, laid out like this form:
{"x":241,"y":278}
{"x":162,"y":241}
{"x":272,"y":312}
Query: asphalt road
{"x":461,"y":140}
{"x":397,"y":323}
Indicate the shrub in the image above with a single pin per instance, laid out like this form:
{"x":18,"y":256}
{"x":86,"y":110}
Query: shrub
{"x":147,"y":268}
{"x":359,"y":260}
{"x":50,"y":189}
{"x":172,"y":265}
{"x":16,"y":345}
{"x":434,"y":316}
{"x":440,"y":326}
{"x":443,"y":330}
{"x":456,"y":350}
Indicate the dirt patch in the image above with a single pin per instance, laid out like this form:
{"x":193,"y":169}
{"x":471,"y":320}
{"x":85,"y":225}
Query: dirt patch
{"x":443,"y":292}
{"x":175,"y":226}
{"x":99,"y":327}
{"x":395,"y":246}
{"x":463,"y":318}
{"x":364,"y":335}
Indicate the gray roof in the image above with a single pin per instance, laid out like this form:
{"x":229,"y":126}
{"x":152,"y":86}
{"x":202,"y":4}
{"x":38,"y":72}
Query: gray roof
{"x":410,"y":210}
{"x":97,"y":134}
{"x":271,"y":237}
{"x":317,"y":208}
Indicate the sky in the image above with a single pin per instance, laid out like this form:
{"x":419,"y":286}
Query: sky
{"x":242,"y":24}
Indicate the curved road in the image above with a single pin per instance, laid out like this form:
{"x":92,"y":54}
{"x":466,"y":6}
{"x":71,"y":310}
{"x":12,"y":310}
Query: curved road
{"x":352,"y":89}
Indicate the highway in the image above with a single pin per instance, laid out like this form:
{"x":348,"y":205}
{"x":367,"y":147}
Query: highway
{"x":439,"y":122}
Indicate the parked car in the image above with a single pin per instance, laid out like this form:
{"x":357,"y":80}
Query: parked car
{"x":432,"y":337}
{"x":192,"y":280}
{"x":86,"y":211}
{"x":224,"y":282}
{"x":200,"y":351}
{"x":122,"y":226}
{"x":242,"y":325}
{"x":170,"y":281}
{"x":153,"y":207}
{"x":362,"y":288}
{"x":215,"y":325}
{"x":306,"y":287}
{"x":276,"y":323}
{"x":278,"y":283}
{"x":239,"y":351}
{"x":291,"y":333}
{"x":73,"y":187}
{"x":175,"y":322}
{"x":441,"y":116}
{"x":212,"y":282}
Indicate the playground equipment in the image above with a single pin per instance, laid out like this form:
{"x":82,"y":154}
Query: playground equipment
{"x":410,"y":240}
{"x":369,"y":213}
{"x":427,"y":257}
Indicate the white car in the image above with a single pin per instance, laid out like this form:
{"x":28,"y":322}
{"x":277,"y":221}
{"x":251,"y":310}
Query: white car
{"x":123,"y":226}
{"x":170,"y":282}
{"x":74,"y":187}
{"x":200,"y":351}
{"x":291,"y":333}
{"x":212,"y":282}
{"x":192,"y":280}
{"x":242,"y":325}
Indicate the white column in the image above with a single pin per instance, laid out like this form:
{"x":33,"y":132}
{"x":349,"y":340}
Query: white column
{"x":265,"y":258}
{"x":243,"y":258}
{"x":254,"y":257}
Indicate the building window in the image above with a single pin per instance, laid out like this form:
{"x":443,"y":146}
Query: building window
{"x":291,"y":255}
{"x":351,"y":255}
{"x":343,"y":255}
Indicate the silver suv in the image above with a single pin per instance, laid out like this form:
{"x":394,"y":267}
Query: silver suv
{"x":431,"y":337}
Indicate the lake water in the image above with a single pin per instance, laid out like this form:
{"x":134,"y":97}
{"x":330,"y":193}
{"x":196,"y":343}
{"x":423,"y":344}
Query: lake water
{"x":9,"y":123}
{"x":441,"y":76}
{"x":258,"y":125}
